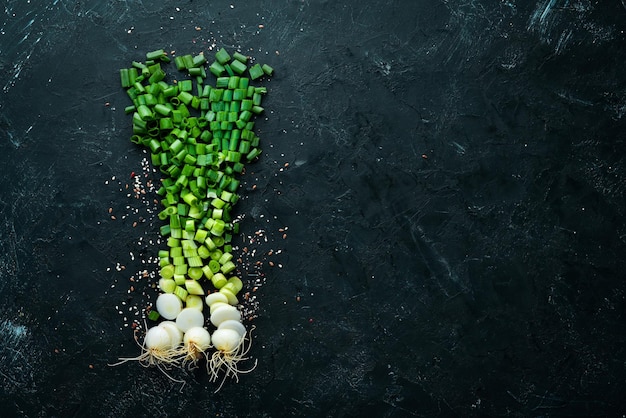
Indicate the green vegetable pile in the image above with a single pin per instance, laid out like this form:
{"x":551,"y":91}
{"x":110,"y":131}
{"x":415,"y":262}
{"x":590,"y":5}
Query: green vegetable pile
{"x":199,"y":137}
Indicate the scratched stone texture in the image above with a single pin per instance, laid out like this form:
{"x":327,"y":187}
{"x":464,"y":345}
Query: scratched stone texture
{"x":441,"y":194}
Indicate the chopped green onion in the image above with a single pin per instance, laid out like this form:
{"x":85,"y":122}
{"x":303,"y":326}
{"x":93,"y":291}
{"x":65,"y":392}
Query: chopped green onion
{"x":255,"y":71}
{"x":153,"y":315}
{"x":267,"y":69}
{"x":240,"y":57}
{"x":222,"y":56}
{"x":200,"y":137}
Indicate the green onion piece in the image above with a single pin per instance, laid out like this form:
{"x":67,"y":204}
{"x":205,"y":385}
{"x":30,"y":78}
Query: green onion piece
{"x":200,"y":235}
{"x":253,"y":154}
{"x":238,"y":67}
{"x":166,"y":124}
{"x":216,"y":254}
{"x":155,"y":55}
{"x":244,"y":147}
{"x":144,"y":112}
{"x":233,"y":82}
{"x":125,"y":78}
{"x":188,"y":243}
{"x":218,"y":227}
{"x":214,"y":266}
{"x":239,"y":94}
{"x":216,"y":95}
{"x":219,"y":242}
{"x":217,"y":203}
{"x":199,"y":60}
{"x":232,"y":299}
{"x":153,"y":315}
{"x":185,"y":85}
{"x":189,"y":253}
{"x":175,"y":233}
{"x":211,"y":245}
{"x":240,"y":57}
{"x":245,"y":115}
{"x":154,"y":145}
{"x":180,"y":63}
{"x":230,"y":287}
{"x":228,"y":267}
{"x":237,"y":283}
{"x":139,"y":65}
{"x":195,"y":261}
{"x":185,"y":97}
{"x":256,"y":71}
{"x":179,"y":279}
{"x":216,"y":69}
{"x":190,"y":199}
{"x":170,"y":91}
{"x":207,"y":272}
{"x":190,"y":225}
{"x":162,"y":109}
{"x":194,"y":301}
{"x":267,"y":69}
{"x":188,"y":60}
{"x":167,"y":285}
{"x":203,"y":252}
{"x":222,"y":56}
{"x":181,"y":292}
{"x":222,"y":82}
{"x":218,"y":280}
{"x":195,"y":273}
{"x":157,"y":76}
{"x":193,"y":287}
{"x":167,"y":272}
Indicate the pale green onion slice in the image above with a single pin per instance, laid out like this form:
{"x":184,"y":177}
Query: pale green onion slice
{"x":215,"y":297}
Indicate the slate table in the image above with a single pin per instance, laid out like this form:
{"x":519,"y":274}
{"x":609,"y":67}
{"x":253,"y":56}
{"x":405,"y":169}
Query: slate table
{"x":441,"y":195}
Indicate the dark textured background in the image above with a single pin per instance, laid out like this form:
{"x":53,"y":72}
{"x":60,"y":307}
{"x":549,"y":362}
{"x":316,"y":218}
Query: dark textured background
{"x":454,"y":202}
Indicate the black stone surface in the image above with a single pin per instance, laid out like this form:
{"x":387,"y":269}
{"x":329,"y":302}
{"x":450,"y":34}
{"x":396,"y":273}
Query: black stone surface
{"x":454,"y":201}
